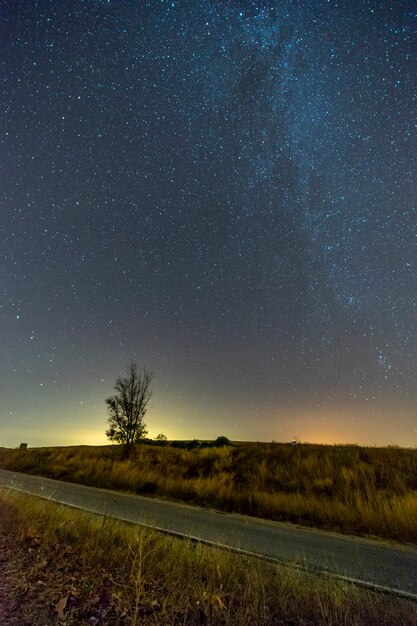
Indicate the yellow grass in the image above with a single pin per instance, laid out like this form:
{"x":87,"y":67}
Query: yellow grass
{"x":93,"y":570}
{"x":347,"y":488}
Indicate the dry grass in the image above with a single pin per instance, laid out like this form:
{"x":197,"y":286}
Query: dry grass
{"x":61,"y":566}
{"x":367,"y":491}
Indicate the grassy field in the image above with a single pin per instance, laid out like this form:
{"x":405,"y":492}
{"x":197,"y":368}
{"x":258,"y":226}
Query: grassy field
{"x":62,"y":566}
{"x":365,"y":491}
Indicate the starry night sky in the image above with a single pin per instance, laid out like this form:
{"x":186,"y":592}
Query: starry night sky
{"x":224,"y":191}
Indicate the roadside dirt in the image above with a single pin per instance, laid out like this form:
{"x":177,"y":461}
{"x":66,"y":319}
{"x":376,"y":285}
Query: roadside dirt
{"x":42,"y":588}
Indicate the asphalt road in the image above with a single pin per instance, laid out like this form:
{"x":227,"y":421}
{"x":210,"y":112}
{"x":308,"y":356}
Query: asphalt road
{"x":375,"y":564}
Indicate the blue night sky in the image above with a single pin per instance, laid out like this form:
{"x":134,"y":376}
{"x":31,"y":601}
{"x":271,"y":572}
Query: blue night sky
{"x":224,"y":191}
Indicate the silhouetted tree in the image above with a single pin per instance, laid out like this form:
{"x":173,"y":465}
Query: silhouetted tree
{"x":128,"y":406}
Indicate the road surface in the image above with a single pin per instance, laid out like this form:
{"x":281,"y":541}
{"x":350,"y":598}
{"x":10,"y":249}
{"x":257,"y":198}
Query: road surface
{"x":374,"y":564}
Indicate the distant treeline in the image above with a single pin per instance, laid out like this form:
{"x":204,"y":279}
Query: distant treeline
{"x":189,"y":444}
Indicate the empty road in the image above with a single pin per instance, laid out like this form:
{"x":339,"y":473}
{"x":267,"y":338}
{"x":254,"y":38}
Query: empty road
{"x":372,"y":563}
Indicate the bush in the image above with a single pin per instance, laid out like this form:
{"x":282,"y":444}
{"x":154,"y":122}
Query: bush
{"x":221,"y":441}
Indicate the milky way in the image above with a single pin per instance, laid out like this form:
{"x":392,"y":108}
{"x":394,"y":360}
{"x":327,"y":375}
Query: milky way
{"x":224,"y":191}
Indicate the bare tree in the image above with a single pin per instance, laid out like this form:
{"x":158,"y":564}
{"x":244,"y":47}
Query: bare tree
{"x":128,"y":406}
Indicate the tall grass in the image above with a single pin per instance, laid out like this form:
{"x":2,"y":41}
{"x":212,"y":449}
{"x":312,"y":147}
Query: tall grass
{"x":69,"y":567}
{"x":346,"y":488}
